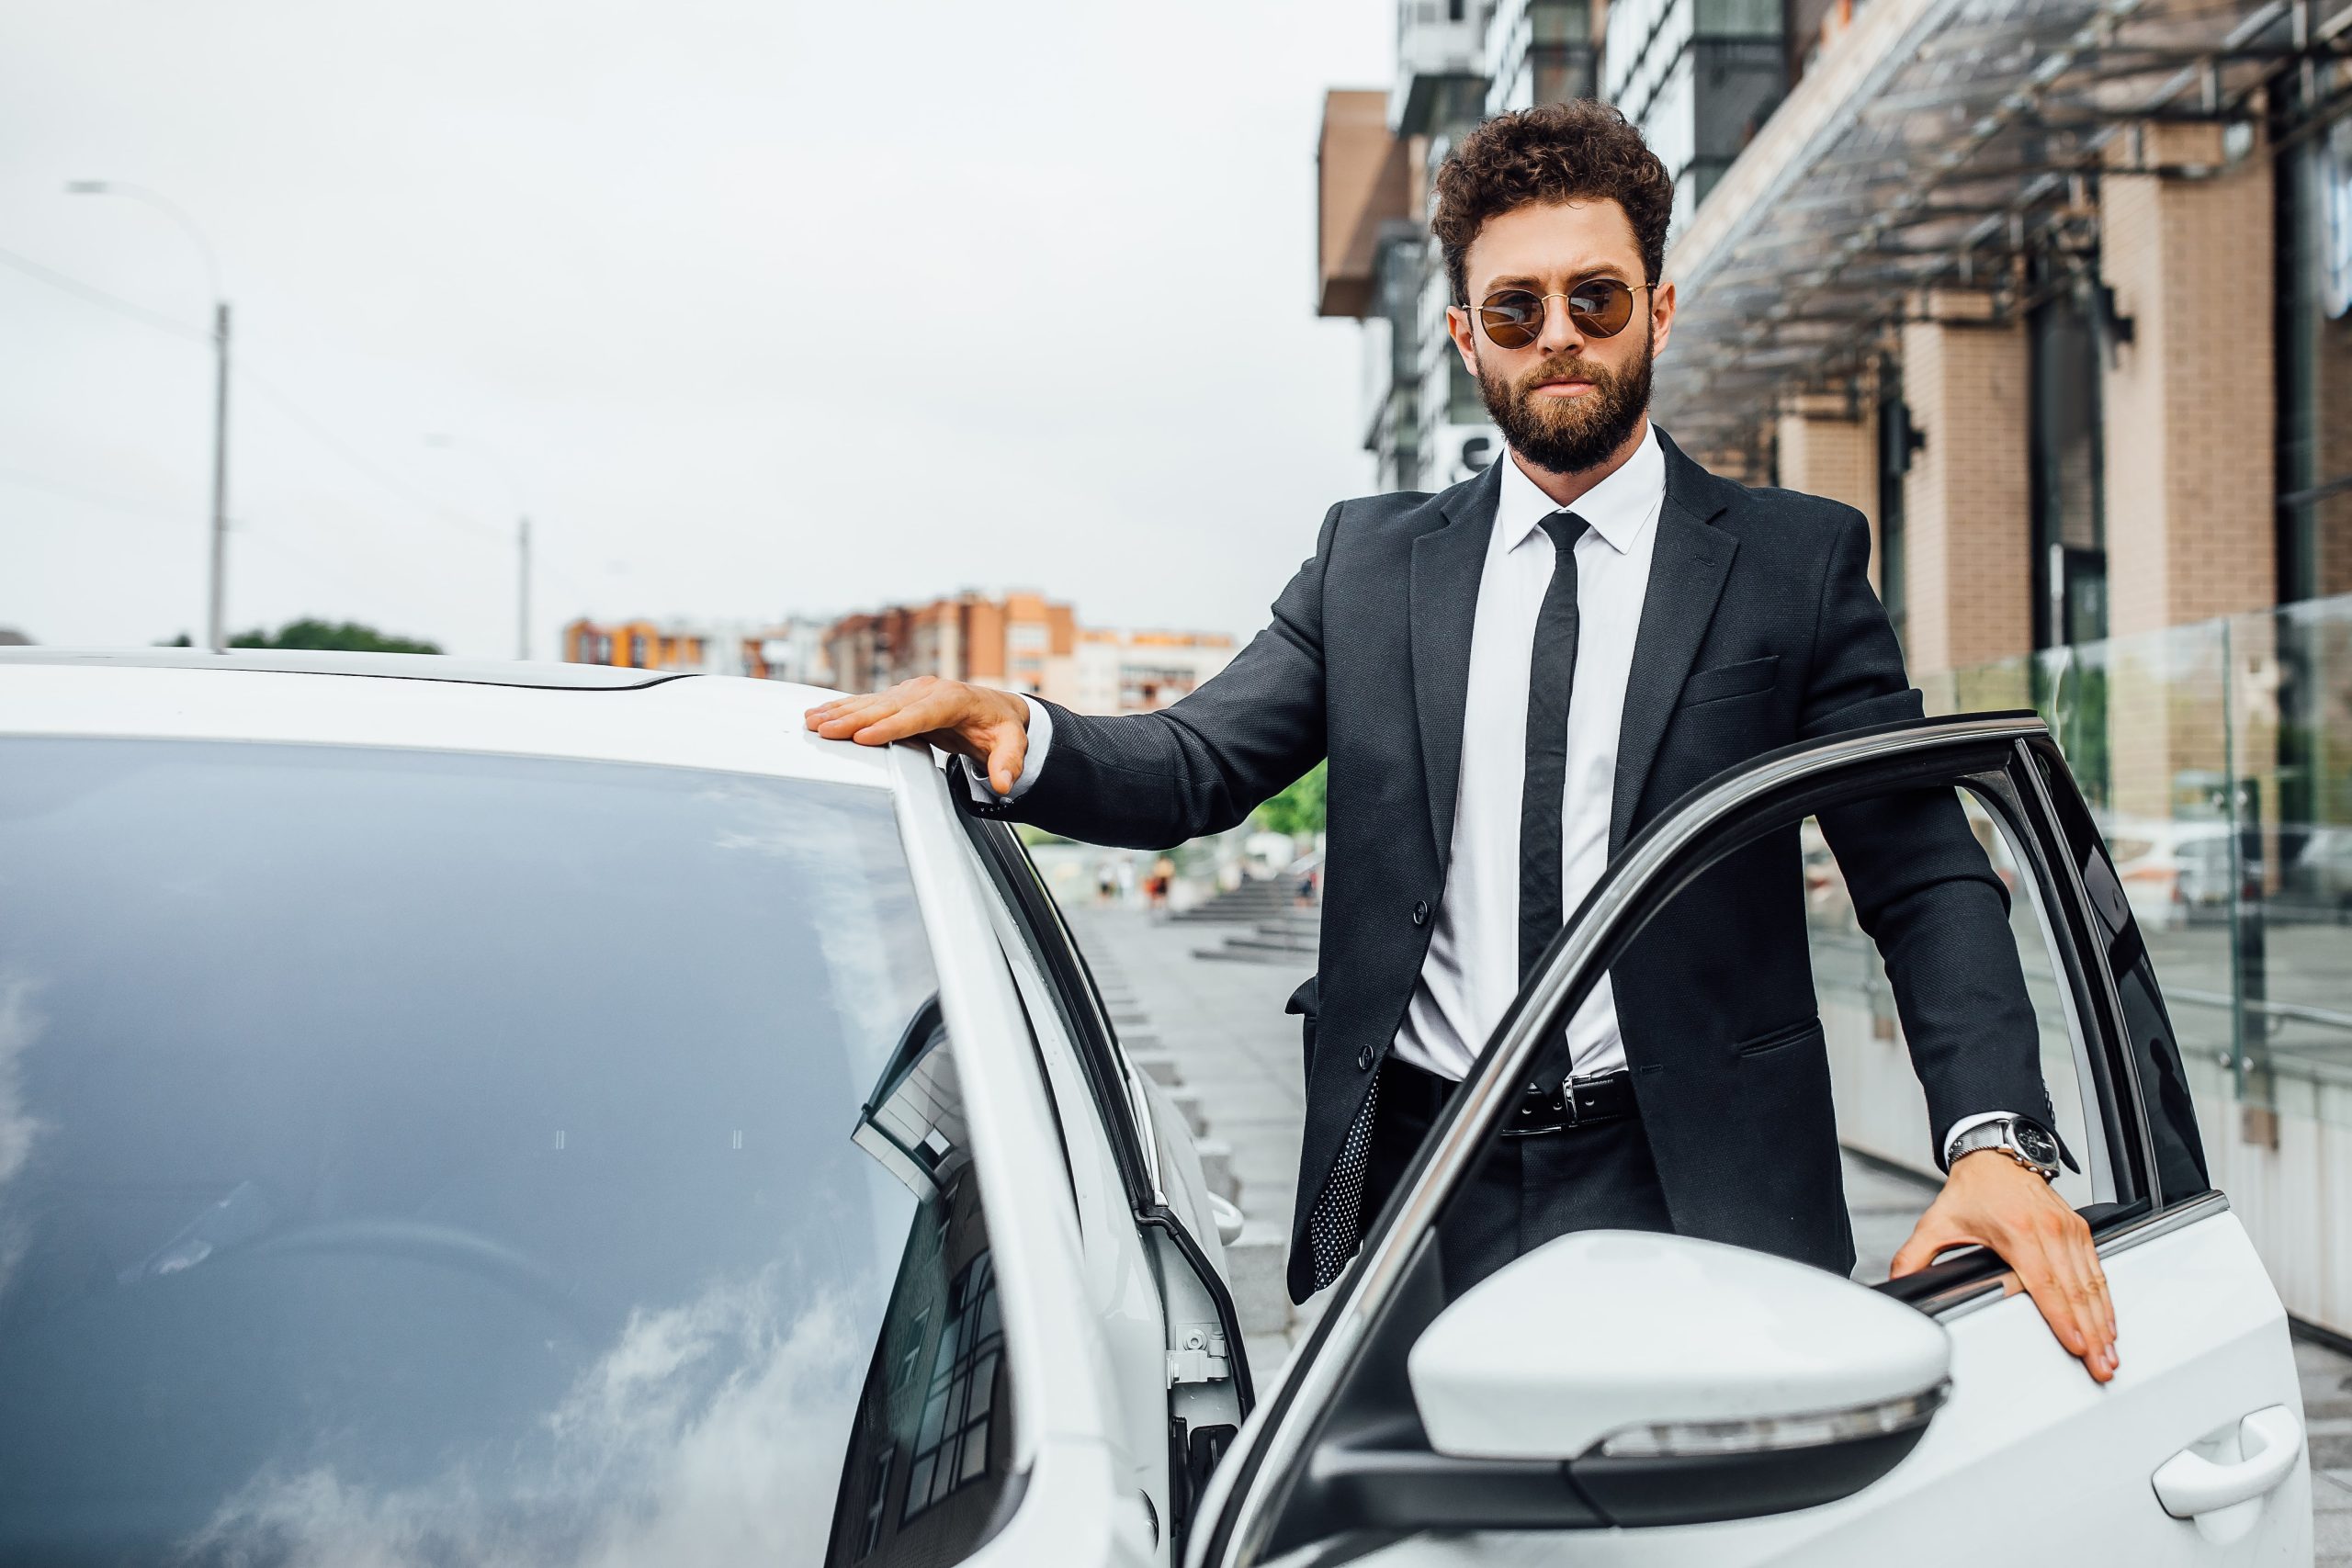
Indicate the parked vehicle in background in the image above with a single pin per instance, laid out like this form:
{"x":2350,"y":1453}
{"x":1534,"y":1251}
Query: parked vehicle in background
{"x":2173,"y":871}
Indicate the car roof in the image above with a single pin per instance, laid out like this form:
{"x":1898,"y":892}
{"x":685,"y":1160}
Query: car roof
{"x":391,"y":666}
{"x":422,"y":701}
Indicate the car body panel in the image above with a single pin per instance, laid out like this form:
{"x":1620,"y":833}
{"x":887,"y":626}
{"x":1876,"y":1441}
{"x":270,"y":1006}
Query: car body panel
{"x":733,"y":726}
{"x":2026,"y":1439}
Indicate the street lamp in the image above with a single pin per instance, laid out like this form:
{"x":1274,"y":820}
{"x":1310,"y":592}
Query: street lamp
{"x":522,"y":533}
{"x":215,"y":632}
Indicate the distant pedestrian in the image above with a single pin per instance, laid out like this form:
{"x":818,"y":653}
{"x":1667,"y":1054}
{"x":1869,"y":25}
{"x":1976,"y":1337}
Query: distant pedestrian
{"x":1156,"y":885}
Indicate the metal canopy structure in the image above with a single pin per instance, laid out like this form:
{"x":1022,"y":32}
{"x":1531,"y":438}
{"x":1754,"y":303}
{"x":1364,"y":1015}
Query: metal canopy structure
{"x":1935,"y":144}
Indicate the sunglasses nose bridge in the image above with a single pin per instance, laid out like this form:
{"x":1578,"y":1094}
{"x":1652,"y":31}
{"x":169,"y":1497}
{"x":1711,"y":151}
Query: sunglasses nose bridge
{"x":1560,"y":328}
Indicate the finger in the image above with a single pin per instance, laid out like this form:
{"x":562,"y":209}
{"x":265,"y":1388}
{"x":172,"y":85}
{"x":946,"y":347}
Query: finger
{"x":2066,"y":1243}
{"x":2046,"y":1283}
{"x":1007,"y":752}
{"x":867,"y":712}
{"x":1934,"y":1233}
{"x":914,"y":718}
{"x":2094,"y":1305}
{"x":845,"y":716}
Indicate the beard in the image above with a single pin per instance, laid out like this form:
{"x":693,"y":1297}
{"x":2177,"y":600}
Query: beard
{"x":1568,"y":435}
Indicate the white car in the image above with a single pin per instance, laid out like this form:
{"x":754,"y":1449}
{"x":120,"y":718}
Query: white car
{"x":541,"y":1114}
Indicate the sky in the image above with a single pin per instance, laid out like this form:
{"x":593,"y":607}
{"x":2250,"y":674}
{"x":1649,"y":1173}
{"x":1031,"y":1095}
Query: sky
{"x":753,"y":307}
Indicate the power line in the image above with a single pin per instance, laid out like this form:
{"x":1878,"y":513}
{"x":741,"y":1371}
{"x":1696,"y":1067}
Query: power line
{"x":241,"y":371}
{"x":285,"y":404}
{"x":99,"y":296}
{"x":383,"y":475}
{"x":89,"y":497}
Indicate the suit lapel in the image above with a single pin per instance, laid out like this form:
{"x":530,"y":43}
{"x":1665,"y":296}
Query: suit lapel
{"x":1688,"y":567}
{"x":1448,"y":562}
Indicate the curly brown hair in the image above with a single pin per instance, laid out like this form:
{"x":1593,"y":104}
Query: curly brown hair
{"x":1571,"y":151}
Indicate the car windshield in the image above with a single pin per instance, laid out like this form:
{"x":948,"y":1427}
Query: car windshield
{"x":422,"y":1157}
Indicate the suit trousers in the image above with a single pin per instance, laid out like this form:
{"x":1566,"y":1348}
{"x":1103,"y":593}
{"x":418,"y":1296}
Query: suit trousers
{"x":1525,"y":1192}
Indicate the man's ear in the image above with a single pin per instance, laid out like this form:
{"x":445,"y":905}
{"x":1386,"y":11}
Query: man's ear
{"x":1458,"y":328}
{"x":1661,"y":316}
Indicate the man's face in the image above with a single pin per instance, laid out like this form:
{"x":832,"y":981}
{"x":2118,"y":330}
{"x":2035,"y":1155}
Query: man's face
{"x":1573,"y":399}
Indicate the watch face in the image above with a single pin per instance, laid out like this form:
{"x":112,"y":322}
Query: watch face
{"x":2036,"y":1145}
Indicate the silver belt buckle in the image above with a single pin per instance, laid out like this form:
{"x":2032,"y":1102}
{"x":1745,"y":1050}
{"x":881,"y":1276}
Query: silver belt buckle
{"x":1567,"y":1098}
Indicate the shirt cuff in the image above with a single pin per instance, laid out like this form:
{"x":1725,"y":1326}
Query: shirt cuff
{"x":1970,"y":1123}
{"x":1041,"y":736}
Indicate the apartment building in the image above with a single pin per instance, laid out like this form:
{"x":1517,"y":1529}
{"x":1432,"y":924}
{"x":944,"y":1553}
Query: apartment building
{"x":1024,"y":642}
{"x":788,"y":650}
{"x":1015,"y":642}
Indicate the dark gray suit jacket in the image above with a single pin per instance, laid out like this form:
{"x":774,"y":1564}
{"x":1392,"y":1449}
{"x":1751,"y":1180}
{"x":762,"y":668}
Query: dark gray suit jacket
{"x":1760,"y":629}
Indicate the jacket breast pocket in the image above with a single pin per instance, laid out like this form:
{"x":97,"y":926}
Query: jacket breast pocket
{"x":1723,"y":680}
{"x":1775,"y":1041}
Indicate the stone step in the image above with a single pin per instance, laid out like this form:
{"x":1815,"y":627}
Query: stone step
{"x":1156,"y":1066}
{"x":1303,"y":925}
{"x":1217,"y":1168}
{"x":1280,"y":941}
{"x":1188,"y":1104}
{"x":1254,"y":1270}
{"x":1302,"y":962}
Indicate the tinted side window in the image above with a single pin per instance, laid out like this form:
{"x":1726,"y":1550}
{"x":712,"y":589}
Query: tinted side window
{"x":2164,"y":1075}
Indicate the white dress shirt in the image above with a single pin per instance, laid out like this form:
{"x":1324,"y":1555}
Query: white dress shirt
{"x":1471,"y":976}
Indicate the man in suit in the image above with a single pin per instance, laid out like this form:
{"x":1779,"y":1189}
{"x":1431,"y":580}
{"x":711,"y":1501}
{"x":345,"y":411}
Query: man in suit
{"x":1510,"y":678}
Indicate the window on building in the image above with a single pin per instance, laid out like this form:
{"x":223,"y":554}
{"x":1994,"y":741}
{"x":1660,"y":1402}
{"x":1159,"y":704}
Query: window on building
{"x":1894,"y":446}
{"x":878,"y":1495}
{"x":952,"y":1444}
{"x":2068,"y":501}
{"x":1465,"y":404}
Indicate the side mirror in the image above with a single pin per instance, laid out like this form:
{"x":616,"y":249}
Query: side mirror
{"x":1680,"y":1380}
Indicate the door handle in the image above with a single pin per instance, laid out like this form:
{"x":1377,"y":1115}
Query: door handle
{"x":1229,"y":1219}
{"x":2188,"y":1484}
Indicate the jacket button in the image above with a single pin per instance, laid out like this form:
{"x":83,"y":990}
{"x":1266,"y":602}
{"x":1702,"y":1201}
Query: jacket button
{"x":1420,"y":911}
{"x":1364,"y":1059}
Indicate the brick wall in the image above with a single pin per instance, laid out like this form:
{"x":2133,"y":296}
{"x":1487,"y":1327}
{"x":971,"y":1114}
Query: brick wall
{"x":2191,"y":402}
{"x":1967,"y":527}
{"x":1824,"y":451}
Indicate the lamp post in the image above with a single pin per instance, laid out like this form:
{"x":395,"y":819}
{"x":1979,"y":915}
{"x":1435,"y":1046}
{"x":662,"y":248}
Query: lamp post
{"x":522,"y":533}
{"x":216,"y":597}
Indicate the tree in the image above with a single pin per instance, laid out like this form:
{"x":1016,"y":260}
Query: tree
{"x":1298,"y":810}
{"x":338,"y":637}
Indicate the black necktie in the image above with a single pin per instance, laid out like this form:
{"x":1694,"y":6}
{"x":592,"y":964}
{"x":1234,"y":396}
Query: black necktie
{"x":1550,"y":673}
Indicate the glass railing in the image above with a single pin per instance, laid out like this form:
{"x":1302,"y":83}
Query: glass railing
{"x":2219,"y":759}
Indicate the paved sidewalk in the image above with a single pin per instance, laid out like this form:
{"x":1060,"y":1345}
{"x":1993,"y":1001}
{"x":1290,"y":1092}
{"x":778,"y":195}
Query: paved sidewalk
{"x":1216,"y":1030}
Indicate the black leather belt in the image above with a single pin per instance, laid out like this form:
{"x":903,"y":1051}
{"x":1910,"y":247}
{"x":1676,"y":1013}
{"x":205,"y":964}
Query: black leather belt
{"x":1573,"y":1102}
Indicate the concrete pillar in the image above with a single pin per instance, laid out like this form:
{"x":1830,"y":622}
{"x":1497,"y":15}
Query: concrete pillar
{"x":1828,"y":447}
{"x":1968,"y":580}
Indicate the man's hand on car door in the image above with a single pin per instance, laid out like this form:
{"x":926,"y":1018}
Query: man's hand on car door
{"x":1991,"y":1201}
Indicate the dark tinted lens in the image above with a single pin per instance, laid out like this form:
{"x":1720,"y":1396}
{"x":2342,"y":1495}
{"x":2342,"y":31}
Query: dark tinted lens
{"x":1514,"y":318}
{"x":1601,"y":306}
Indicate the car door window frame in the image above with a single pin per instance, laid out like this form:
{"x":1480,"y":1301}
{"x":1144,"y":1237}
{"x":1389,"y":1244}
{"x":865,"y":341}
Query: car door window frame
{"x":1111,"y":1077}
{"x":1988,"y":754}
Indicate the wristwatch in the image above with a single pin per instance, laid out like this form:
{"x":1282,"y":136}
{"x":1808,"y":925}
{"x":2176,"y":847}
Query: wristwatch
{"x":2027,"y":1143}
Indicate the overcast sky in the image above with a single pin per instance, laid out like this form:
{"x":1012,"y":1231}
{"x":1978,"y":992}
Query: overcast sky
{"x":765,"y":306}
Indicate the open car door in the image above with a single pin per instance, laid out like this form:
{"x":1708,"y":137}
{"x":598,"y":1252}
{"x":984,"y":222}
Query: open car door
{"x":1618,"y":1399}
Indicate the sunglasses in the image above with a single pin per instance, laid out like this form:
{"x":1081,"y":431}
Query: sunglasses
{"x":1598,"y":307}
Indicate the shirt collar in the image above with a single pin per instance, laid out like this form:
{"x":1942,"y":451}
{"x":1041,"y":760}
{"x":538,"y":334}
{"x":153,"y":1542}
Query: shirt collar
{"x":1619,"y":507}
